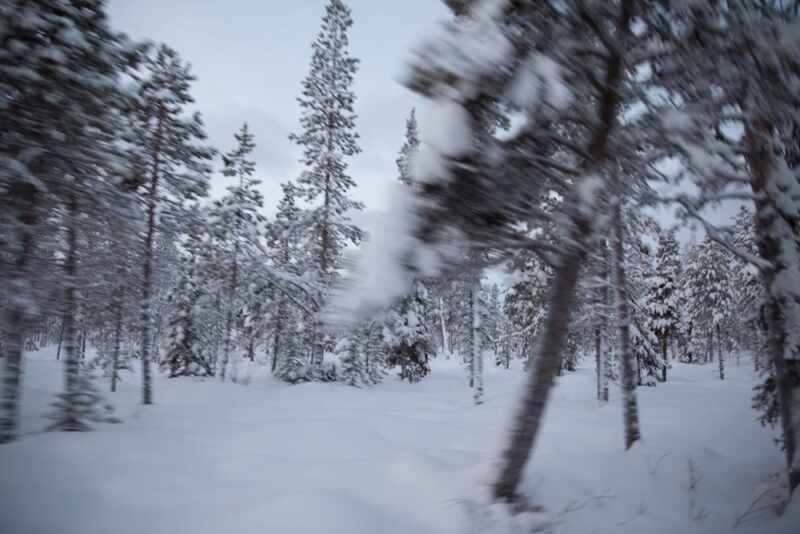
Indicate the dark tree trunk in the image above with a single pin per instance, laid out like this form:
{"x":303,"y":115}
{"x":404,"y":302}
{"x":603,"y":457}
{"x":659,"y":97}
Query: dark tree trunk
{"x":12,"y":375}
{"x":83,"y":344}
{"x":60,"y":339}
{"x":69,"y":418}
{"x":22,"y":202}
{"x":720,"y":357}
{"x":542,"y":372}
{"x":629,"y":404}
{"x":117,"y":341}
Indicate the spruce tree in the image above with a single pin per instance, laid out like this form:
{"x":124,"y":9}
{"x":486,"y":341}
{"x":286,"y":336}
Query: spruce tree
{"x":328,"y":138}
{"x":235,"y":225}
{"x":407,"y":337}
{"x":186,"y":354}
{"x":286,"y":240}
{"x":708,"y":278}
{"x":661,"y":300}
{"x":409,"y":148}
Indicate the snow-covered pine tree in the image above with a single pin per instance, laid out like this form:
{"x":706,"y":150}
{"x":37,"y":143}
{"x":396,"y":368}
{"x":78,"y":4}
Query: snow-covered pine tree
{"x":407,"y":332}
{"x":109,"y":274}
{"x":235,"y":224}
{"x":186,"y":354}
{"x":290,"y":255}
{"x":172,"y":160}
{"x":409,"y":148}
{"x":328,"y":138}
{"x":352,"y":351}
{"x":661,"y":298}
{"x":708,"y":277}
{"x":747,"y":289}
{"x":407,"y":337}
{"x":525,"y":307}
{"x":61,"y":122}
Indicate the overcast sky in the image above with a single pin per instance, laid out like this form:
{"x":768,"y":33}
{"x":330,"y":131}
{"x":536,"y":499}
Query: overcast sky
{"x":250,"y":57}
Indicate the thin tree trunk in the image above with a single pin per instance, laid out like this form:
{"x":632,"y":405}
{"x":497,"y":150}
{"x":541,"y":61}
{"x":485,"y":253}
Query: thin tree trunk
{"x":475,"y":346}
{"x":226,"y":346}
{"x":117,"y":340}
{"x":60,"y":339}
{"x":664,"y":357}
{"x":234,"y":287}
{"x":629,"y":404}
{"x":445,"y":345}
{"x":83,"y":344}
{"x":720,"y":357}
{"x":601,"y":343}
{"x":276,"y":343}
{"x":598,"y":361}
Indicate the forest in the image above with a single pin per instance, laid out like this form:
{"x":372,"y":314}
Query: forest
{"x":580,"y":313}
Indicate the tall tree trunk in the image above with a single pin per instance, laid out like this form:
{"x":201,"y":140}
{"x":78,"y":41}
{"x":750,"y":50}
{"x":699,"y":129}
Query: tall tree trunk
{"x":599,"y":364}
{"x":629,"y":405}
{"x":22,"y":202}
{"x":276,"y":342}
{"x":226,"y":344}
{"x":117,"y":339}
{"x":232,"y":289}
{"x":60,"y":339}
{"x":445,"y":345}
{"x":147,"y":277}
{"x":720,"y":357}
{"x":541,"y":373}
{"x":69,"y":419}
{"x":476,"y":358}
{"x":12,"y":375}
{"x":777,"y":235}
{"x":602,"y":351}
{"x":83,"y":344}
{"x":664,"y":357}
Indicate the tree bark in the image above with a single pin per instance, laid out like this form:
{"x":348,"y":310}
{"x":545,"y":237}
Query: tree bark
{"x":541,"y":375}
{"x":117,"y":340}
{"x":60,"y":339}
{"x":720,"y":357}
{"x":69,"y":419}
{"x":23,"y":199}
{"x":147,"y":275}
{"x":12,"y":375}
{"x":630,"y":408}
{"x":445,"y":346}
{"x":776,"y":232}
{"x":476,"y":357}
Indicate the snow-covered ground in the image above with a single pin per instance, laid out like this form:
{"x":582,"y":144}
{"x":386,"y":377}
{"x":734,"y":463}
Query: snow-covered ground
{"x":324,"y":458}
